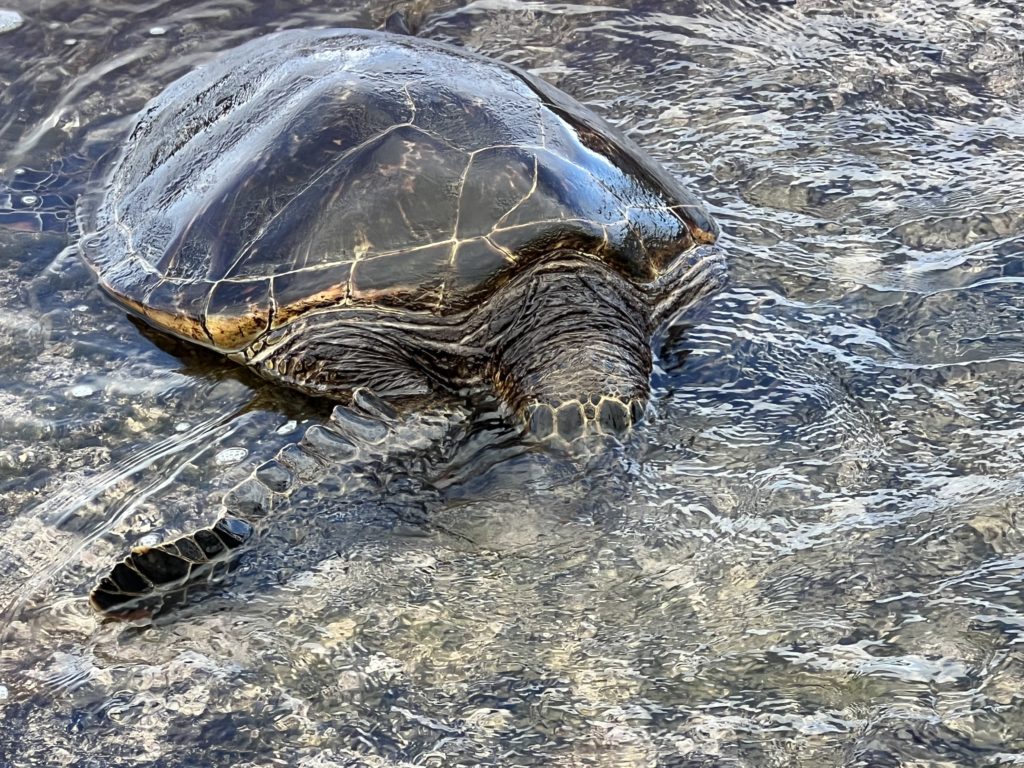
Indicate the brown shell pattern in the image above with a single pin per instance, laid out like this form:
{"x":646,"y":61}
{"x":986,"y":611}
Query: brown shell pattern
{"x":312,"y":169}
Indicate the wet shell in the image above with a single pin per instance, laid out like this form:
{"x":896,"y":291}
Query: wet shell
{"x":314,"y":169}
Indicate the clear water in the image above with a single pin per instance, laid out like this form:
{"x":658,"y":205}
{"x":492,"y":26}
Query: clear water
{"x":811,"y":555}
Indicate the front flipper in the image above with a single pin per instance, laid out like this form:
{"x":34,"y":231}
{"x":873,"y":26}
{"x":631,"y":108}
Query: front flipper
{"x":364,"y":444}
{"x":141,"y":584}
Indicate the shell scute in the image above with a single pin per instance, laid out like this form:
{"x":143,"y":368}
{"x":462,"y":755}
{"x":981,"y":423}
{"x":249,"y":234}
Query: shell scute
{"x":237,"y":312}
{"x":476,"y":263}
{"x":504,"y":176}
{"x":292,"y":296}
{"x":459,"y":108}
{"x":401,"y":194}
{"x":423,"y":271}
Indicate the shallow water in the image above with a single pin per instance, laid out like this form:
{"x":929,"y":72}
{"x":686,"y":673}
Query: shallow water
{"x":811,"y":554}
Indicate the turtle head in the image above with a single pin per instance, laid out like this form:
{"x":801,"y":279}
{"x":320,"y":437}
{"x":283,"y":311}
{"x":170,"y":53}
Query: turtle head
{"x":570,"y":349}
{"x":571,"y":341}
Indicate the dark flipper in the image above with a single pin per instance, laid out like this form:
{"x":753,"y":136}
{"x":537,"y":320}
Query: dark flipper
{"x":694,"y":276}
{"x":354,"y":445}
{"x":140,"y":584}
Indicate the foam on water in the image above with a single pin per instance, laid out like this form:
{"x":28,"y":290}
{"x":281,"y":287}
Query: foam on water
{"x":10,"y":20}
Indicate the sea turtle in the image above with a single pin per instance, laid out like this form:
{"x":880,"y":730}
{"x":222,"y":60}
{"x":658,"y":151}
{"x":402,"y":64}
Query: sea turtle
{"x":346,"y":210}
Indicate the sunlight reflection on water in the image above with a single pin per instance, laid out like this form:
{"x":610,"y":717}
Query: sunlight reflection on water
{"x":811,"y":553}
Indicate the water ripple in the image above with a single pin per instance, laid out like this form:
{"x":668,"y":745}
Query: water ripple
{"x":810,"y":553}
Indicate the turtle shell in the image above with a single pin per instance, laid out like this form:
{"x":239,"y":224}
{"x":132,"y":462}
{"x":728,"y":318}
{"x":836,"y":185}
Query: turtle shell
{"x":313,"y":169}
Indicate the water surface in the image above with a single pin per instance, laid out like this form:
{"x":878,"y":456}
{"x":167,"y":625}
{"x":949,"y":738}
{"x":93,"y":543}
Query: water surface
{"x":810,"y":555}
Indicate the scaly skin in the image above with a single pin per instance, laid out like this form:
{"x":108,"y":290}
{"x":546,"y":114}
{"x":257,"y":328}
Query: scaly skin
{"x":565,"y":345}
{"x":361,"y":445}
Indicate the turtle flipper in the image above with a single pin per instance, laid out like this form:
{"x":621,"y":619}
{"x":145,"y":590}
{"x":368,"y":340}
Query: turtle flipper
{"x":141,"y":583}
{"x":366,"y":445}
